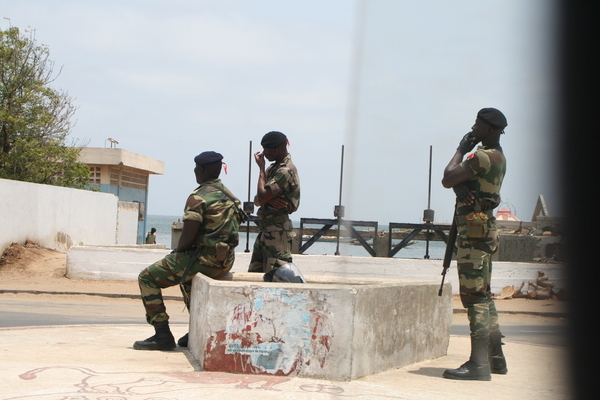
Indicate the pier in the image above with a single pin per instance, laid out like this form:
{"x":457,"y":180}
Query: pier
{"x":520,"y":241}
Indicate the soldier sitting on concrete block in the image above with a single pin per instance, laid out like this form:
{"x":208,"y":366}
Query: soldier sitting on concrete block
{"x":211,"y":219}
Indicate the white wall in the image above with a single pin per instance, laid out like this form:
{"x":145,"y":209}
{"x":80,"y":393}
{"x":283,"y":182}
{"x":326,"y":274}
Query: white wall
{"x":127,"y":222}
{"x":125,"y":263}
{"x":55,"y":217}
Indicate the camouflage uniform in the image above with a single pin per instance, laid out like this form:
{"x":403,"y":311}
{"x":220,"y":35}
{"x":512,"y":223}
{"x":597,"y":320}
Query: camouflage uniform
{"x":213,"y":205}
{"x":475,"y":248}
{"x":150,"y":238}
{"x":273,"y":244}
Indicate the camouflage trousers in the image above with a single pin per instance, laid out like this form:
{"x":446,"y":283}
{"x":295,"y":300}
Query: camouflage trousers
{"x":272,"y":248}
{"x":474,"y":260}
{"x":169,"y":271}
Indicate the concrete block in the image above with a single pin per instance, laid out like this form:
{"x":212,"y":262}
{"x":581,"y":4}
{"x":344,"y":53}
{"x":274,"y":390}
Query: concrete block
{"x":516,"y":248}
{"x":329,"y":328}
{"x":381,"y":244}
{"x":111,"y":263}
{"x":176,"y":230}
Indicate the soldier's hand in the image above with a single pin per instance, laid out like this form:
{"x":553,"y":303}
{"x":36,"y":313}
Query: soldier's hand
{"x":278,"y":202}
{"x":467,"y":143}
{"x":259,"y":157}
{"x":464,"y":194}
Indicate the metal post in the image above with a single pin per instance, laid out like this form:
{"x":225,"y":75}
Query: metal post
{"x":339,"y":212}
{"x":249,"y":179}
{"x":428,"y":208}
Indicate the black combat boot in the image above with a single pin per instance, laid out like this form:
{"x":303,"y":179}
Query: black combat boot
{"x":478,"y":367}
{"x":183,"y":341}
{"x":496,"y":356}
{"x":162,"y":340}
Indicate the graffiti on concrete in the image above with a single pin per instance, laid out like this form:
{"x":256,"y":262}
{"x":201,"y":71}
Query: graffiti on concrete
{"x":84,"y":383}
{"x":274,"y":332}
{"x":80,"y":383}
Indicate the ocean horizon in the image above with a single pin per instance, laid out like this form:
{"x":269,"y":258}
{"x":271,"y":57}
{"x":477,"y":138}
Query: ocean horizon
{"x":417,"y":249}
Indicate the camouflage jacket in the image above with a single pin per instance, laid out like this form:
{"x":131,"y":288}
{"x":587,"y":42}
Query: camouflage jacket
{"x":487,"y":167}
{"x":217,"y":209}
{"x":283,"y":180}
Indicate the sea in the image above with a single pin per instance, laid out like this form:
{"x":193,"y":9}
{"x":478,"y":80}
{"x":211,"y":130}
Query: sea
{"x":418,"y":249}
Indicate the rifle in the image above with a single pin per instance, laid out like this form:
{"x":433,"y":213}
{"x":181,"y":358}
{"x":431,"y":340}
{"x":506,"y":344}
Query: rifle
{"x":449,"y":250}
{"x":193,"y":258}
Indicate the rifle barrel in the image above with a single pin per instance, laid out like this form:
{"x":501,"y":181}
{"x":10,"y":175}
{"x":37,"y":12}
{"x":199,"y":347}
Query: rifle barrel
{"x":449,"y":250}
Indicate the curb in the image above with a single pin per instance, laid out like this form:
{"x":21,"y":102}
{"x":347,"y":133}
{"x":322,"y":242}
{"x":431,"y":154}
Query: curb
{"x":180,"y":298}
{"x":109,"y":295}
{"x":536,"y":313}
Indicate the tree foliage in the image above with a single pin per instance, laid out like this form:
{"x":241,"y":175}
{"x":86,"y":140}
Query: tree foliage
{"x":35,"y":119}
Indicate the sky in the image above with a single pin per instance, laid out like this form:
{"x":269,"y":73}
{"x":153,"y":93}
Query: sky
{"x":383,"y":82}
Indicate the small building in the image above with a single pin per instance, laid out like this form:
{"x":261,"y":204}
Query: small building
{"x":124,"y":174}
{"x":504,"y":214}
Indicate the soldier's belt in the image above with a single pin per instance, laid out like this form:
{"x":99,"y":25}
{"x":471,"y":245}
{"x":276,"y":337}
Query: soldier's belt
{"x":489,"y":213}
{"x":273,"y":219}
{"x":220,"y":250}
{"x":205,"y":250}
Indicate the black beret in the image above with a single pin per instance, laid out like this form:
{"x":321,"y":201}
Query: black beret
{"x":492,"y":117}
{"x":273,"y":139}
{"x":207,"y":157}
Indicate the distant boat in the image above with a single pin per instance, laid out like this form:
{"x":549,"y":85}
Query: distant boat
{"x":330,"y":239}
{"x":407,"y":244}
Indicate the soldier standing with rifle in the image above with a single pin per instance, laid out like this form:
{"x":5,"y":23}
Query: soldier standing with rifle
{"x":476,"y":182}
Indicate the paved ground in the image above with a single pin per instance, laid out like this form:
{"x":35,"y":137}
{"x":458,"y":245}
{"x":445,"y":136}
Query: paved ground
{"x":23,"y":309}
{"x":95,"y":360}
{"x":98,"y":362}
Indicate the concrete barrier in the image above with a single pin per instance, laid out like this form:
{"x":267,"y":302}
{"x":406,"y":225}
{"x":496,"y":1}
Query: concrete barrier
{"x":125,"y":263}
{"x":329,"y":328}
{"x":111,"y":263}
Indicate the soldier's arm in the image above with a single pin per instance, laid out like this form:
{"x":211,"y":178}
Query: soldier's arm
{"x":192,"y":219}
{"x":188,"y":235}
{"x":263,"y":193}
{"x":454,"y":173}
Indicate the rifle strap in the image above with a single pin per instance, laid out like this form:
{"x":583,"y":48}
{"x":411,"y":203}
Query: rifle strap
{"x":243,"y":216}
{"x":190,"y":263}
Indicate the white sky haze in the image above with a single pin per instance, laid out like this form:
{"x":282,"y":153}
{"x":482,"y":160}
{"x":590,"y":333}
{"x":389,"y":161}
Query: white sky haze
{"x":386,"y":79}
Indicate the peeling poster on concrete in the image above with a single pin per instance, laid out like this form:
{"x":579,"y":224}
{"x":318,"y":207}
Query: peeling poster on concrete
{"x":274,"y":331}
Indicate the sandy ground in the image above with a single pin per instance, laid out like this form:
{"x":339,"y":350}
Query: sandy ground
{"x":33,"y":268}
{"x":30,"y":261}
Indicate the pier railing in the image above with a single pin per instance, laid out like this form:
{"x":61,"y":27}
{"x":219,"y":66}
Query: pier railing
{"x":327,"y":224}
{"x":361,"y":236}
{"x":416,"y":229}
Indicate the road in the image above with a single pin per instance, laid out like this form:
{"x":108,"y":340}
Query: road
{"x":45,"y":310}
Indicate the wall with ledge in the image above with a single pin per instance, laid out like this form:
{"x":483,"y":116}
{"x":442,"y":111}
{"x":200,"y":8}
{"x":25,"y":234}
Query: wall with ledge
{"x":126,"y":262}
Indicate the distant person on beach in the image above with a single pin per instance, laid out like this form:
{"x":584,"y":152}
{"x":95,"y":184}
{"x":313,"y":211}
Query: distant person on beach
{"x":277,"y":195}
{"x":151,"y":236}
{"x":211,"y":219}
{"x":476,"y":182}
